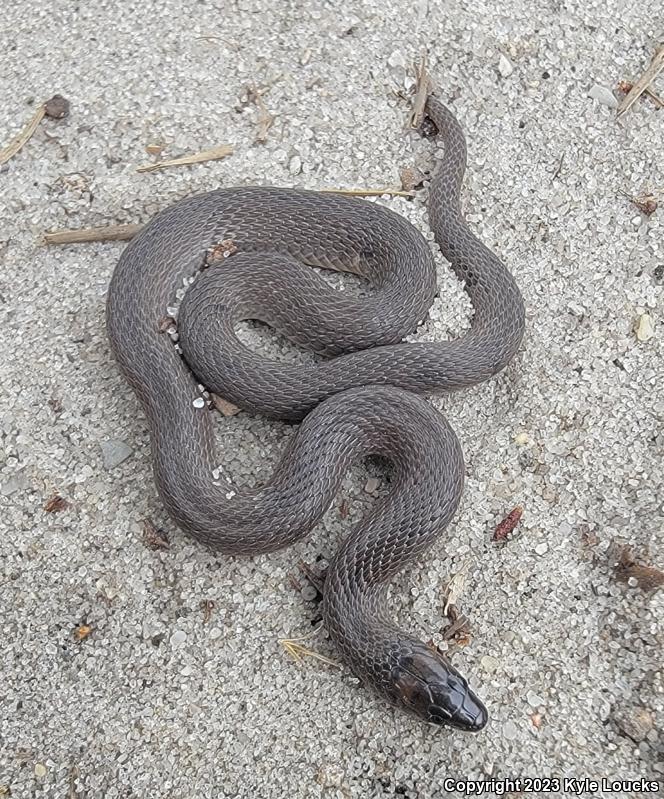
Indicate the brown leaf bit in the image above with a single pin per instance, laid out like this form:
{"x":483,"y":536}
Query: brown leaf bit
{"x":459,"y":627}
{"x":207,"y":606}
{"x":154,"y":537}
{"x":82,"y":632}
{"x":344,"y":510}
{"x":224,"y":407}
{"x":57,"y":107}
{"x":222,"y":250}
{"x":55,"y":503}
{"x":648,"y":578}
{"x":507,"y":525}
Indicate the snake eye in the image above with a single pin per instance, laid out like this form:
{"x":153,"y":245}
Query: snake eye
{"x":429,"y":686}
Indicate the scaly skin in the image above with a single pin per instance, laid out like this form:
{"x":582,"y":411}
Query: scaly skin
{"x":357,"y":403}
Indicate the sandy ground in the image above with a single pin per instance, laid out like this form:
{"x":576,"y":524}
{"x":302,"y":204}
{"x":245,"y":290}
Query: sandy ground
{"x":156,"y":699}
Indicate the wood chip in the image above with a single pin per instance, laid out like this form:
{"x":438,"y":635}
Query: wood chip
{"x":656,"y":66}
{"x":84,"y":235}
{"x":224,"y":407}
{"x":214,"y":154}
{"x":508,"y":524}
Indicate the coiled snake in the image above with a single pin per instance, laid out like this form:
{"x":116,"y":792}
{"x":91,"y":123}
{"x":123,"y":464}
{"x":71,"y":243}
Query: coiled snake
{"x":360,"y":401}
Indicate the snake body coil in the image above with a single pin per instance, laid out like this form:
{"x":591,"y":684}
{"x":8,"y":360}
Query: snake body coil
{"x":359,"y":402}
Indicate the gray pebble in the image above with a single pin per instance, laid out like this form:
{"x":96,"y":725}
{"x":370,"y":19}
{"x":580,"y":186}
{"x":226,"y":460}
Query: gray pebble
{"x":114,"y":452}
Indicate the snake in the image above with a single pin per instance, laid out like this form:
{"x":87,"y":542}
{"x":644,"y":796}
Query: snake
{"x":246,"y":253}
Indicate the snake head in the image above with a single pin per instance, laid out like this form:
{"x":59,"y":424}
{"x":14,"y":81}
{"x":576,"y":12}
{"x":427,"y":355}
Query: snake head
{"x":429,"y":686}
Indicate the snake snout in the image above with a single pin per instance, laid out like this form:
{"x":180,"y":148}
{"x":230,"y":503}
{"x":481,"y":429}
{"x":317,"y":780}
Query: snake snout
{"x":430,"y":687}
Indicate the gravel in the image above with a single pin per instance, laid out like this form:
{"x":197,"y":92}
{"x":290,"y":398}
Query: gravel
{"x":134,"y":671}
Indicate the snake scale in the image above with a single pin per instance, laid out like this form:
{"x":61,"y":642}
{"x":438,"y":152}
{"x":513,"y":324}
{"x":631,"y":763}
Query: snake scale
{"x":361,"y":400}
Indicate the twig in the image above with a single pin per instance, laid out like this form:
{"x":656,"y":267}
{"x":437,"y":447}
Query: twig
{"x":424,"y":85}
{"x":656,"y":66}
{"x":87,"y":234}
{"x":369,"y":192}
{"x":24,"y":136}
{"x":214,"y":154}
{"x":626,"y":86}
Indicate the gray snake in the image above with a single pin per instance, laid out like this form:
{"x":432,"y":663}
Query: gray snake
{"x":361,"y":400}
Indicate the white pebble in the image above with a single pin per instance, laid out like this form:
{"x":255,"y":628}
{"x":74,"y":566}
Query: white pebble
{"x":178,"y":637}
{"x":603,"y":95}
{"x":199,"y":402}
{"x":504,"y":66}
{"x":509,"y":730}
{"x":541,"y":549}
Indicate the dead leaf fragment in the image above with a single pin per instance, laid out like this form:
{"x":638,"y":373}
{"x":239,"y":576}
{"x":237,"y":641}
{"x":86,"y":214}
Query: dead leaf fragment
{"x":154,"y":537}
{"x":648,"y":578}
{"x":55,"y":503}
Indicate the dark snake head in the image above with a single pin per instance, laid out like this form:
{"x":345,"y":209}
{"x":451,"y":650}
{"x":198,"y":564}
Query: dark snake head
{"x":428,"y":685}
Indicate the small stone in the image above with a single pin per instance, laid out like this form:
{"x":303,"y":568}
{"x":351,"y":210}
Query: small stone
{"x":40,"y":770}
{"x":178,"y":637}
{"x":637,"y":724}
{"x":57,"y":107}
{"x":372,"y":485}
{"x":603,"y":95}
{"x":396,"y":60}
{"x":295,"y":165}
{"x":534,"y":700}
{"x":114,"y":452}
{"x":199,"y":402}
{"x":522,"y":439}
{"x":645,"y":328}
{"x":504,"y":66}
{"x":17,"y":482}
{"x":509,"y":730}
{"x":186,"y":671}
{"x":541,"y":549}
{"x":489,"y":664}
